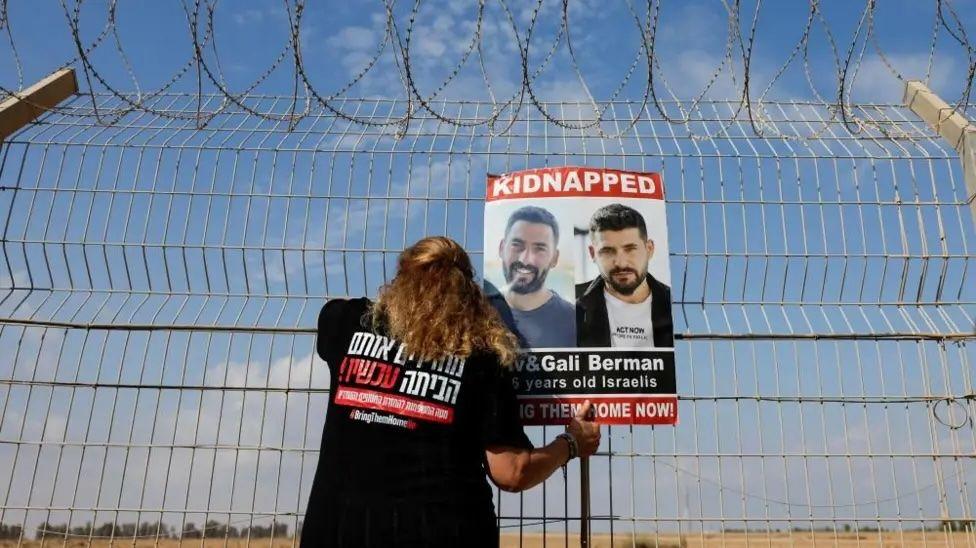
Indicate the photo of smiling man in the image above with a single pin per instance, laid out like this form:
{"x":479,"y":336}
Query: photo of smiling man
{"x":624,"y":306}
{"x":529,"y":250}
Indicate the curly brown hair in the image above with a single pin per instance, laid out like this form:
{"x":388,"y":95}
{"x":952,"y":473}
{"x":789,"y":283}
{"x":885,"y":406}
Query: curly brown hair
{"x":435,"y":307}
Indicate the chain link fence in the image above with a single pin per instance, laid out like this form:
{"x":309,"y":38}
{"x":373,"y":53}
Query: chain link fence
{"x":160,"y":281}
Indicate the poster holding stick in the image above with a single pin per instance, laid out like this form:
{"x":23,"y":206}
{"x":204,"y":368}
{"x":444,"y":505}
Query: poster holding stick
{"x":585,"y":502}
{"x":576,"y":260}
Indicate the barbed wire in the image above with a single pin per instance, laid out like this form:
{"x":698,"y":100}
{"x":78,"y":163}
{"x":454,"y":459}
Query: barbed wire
{"x":397,"y":44}
{"x":5,"y":27}
{"x":964,"y":42}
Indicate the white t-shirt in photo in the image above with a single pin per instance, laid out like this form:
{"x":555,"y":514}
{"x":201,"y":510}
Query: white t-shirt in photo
{"x":630,"y":323}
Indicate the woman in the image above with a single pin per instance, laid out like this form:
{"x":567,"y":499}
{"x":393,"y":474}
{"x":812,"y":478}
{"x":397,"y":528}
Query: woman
{"x":420,"y":406}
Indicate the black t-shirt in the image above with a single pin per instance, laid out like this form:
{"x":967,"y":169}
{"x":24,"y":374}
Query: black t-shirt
{"x":404,"y":441}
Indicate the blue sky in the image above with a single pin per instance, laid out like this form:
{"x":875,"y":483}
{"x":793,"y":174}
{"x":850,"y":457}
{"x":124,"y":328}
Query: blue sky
{"x":833,"y":235}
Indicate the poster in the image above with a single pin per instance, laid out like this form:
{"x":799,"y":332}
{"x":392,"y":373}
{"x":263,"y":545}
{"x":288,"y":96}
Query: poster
{"x":576,"y":262}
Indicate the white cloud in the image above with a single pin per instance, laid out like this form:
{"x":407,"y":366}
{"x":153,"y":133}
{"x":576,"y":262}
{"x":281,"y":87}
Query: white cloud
{"x":875,"y":82}
{"x":443,"y":22}
{"x":439,"y":40}
{"x":692,"y":70}
{"x":458,"y":7}
{"x":307,"y":35}
{"x":17,"y":277}
{"x":428,"y":45}
{"x":354,"y":38}
{"x":552,"y":11}
{"x":287,"y":371}
{"x":248,"y":17}
{"x":694,"y":23}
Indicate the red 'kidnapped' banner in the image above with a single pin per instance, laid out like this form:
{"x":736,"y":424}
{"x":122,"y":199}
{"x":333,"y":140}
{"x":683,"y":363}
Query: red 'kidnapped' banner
{"x":551,"y":182}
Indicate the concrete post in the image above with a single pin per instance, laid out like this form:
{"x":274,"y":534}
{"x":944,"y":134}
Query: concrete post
{"x":26,"y":106}
{"x":952,"y":126}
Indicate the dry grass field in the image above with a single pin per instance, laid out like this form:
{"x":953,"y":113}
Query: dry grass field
{"x":913,"y":539}
{"x":740,"y":540}
{"x":163,"y":543}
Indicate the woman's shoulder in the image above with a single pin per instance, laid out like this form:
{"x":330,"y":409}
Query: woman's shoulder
{"x":488,"y":364}
{"x":343,"y":310}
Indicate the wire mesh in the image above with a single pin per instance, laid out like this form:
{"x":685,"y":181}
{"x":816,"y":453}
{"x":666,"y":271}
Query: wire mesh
{"x":160,"y":283}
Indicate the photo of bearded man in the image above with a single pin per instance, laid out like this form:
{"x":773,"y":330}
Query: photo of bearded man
{"x":624,"y":306}
{"x":528,"y":250}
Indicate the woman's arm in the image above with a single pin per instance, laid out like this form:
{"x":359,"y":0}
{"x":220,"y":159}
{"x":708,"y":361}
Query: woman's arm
{"x":515,"y":469}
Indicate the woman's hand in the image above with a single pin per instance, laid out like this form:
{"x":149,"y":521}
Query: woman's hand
{"x":586,"y":432}
{"x":515,"y":469}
